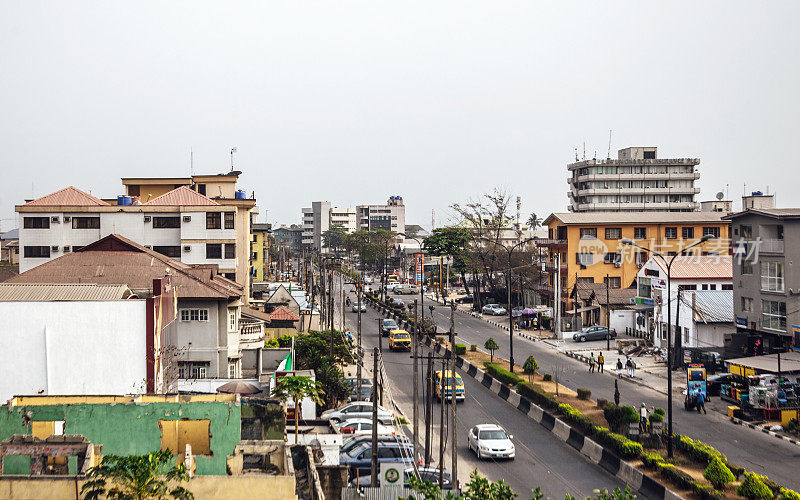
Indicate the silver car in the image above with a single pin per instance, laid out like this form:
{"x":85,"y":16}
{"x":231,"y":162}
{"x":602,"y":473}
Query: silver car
{"x":494,"y":310}
{"x":357,"y":409}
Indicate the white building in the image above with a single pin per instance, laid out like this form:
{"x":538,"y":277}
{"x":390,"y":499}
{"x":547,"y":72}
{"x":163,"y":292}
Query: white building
{"x":636,"y":181}
{"x":705,"y":314}
{"x":321,"y":216}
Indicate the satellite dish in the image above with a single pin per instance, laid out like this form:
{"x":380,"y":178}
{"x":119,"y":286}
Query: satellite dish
{"x":720,"y":195}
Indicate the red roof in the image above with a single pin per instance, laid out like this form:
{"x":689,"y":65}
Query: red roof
{"x":69,"y":196}
{"x":283,"y":314}
{"x":182,"y":196}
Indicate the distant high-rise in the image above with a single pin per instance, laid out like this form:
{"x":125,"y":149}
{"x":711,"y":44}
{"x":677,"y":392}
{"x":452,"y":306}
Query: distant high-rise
{"x":321,"y":216}
{"x":636,"y":181}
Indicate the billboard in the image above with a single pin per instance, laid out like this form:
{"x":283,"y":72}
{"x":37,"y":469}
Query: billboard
{"x":419,"y":268}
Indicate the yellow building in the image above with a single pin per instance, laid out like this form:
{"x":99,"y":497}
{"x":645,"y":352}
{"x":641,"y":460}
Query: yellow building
{"x":587,"y":248}
{"x":259,"y":252}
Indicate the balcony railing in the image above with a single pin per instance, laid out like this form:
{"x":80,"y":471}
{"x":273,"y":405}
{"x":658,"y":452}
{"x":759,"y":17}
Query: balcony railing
{"x":549,"y":242}
{"x":251,"y":330}
{"x":771,"y":246}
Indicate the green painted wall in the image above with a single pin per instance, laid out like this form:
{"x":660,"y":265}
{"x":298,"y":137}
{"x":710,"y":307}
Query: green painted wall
{"x":130,"y":428}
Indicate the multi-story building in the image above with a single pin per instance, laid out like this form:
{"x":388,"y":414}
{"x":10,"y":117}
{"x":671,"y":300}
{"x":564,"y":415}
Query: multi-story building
{"x":9,"y":247}
{"x":389,"y":217}
{"x":587,"y":247}
{"x":636,"y":181}
{"x":181,"y":223}
{"x":291,"y":237}
{"x":321,"y":216}
{"x":259,"y":248}
{"x":766,"y":241}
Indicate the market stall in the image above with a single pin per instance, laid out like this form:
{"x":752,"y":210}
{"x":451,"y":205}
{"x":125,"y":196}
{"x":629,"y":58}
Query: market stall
{"x":765,"y":387}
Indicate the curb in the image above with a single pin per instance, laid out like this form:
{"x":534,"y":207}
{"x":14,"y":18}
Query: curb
{"x":596,"y":453}
{"x":584,"y":359}
{"x":741,"y":422}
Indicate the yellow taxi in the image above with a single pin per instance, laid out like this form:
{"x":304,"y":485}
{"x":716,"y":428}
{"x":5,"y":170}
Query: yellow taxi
{"x":448,"y":386}
{"x":399,"y":340}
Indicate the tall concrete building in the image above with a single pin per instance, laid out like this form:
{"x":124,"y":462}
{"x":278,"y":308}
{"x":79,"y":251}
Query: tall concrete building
{"x":321,"y":216}
{"x":636,"y":181}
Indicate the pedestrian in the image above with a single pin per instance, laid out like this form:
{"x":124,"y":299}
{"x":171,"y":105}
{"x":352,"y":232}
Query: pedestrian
{"x":619,"y":368}
{"x":633,"y":368}
{"x":643,"y":419}
{"x":701,"y":405}
{"x":591,"y":362}
{"x":600,"y":362}
{"x":629,"y":367}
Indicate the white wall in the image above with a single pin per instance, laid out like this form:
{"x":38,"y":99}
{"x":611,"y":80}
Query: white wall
{"x":73,"y":347}
{"x":622,"y":319}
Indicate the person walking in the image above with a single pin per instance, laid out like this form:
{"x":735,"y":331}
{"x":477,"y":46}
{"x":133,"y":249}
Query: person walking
{"x":591,"y":362}
{"x":629,"y":367}
{"x":600,"y":362}
{"x":701,"y":405}
{"x":619,"y":368}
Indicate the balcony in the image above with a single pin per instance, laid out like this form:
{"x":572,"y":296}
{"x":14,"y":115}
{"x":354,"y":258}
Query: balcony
{"x":251,"y":333}
{"x":771,"y":246}
{"x":551,"y":243}
{"x":677,"y":176}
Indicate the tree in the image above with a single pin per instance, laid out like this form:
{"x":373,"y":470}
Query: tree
{"x":530,"y":367}
{"x":478,"y":488}
{"x":334,"y":238}
{"x":296,"y":388}
{"x":137,"y":477}
{"x":534,"y":221}
{"x":718,"y":474}
{"x":491,"y":346}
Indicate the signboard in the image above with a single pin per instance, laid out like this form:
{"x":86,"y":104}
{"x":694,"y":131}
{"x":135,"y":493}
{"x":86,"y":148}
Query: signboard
{"x":391,"y":473}
{"x":742,"y":322}
{"x":795,"y":338}
{"x":659,"y":283}
{"x":644,"y":301}
{"x":419,"y":268}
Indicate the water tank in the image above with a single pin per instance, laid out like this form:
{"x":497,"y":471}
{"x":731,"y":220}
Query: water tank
{"x":757,"y":193}
{"x":240,"y":194}
{"x":123,"y":200}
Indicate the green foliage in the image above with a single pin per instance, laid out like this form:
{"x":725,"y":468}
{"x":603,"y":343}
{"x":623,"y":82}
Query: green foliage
{"x":659,"y":411}
{"x":583,"y":393}
{"x":460,"y":349}
{"x":491,"y":346}
{"x":655,"y":417}
{"x":537,"y":395}
{"x":478,"y":488}
{"x":576,"y":418}
{"x":651,"y":460}
{"x":473,"y":348}
{"x":683,"y":480}
{"x":335,"y":238}
{"x":706,"y":492}
{"x":530,"y":366}
{"x":534,"y":221}
{"x":452,"y":241}
{"x":619,"y":416}
{"x":624,"y":447}
{"x":699,"y":451}
{"x":272,"y":343}
{"x":147,"y":476}
{"x":718,"y":474}
{"x":502,"y":375}
{"x":547,"y":377}
{"x":617,"y":494}
{"x":297,"y":388}
{"x":753,"y":488}
{"x":788,"y":495}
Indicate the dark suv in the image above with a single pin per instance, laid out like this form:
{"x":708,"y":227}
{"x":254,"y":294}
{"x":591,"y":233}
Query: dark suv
{"x":359,"y":458}
{"x":387,"y":325}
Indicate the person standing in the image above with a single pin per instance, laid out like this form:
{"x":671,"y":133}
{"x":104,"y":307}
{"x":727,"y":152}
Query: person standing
{"x":619,"y":368}
{"x":701,"y":405}
{"x":643,"y":419}
{"x":629,"y":367}
{"x":591,"y":362}
{"x":600,"y":362}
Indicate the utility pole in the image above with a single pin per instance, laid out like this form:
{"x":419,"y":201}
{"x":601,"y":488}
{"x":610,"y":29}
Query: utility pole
{"x":428,"y":412}
{"x":608,"y":317}
{"x":360,"y":350}
{"x":380,"y":336}
{"x":678,"y":355}
{"x":454,"y":402}
{"x":375,"y":418}
{"x":557,"y":295}
{"x":443,"y":402}
{"x":416,"y":382}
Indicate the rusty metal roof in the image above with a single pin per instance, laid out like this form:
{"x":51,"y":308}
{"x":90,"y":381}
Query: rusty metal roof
{"x":52,"y":292}
{"x":714,"y":267}
{"x":182,"y":196}
{"x":69,"y":196}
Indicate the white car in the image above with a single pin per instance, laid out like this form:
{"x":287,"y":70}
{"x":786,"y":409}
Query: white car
{"x":363,"y":306}
{"x":357,"y":409}
{"x":490,"y":441}
{"x":358,"y":426}
{"x":494,"y":310}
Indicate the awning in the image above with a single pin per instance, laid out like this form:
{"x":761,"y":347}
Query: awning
{"x":582,"y":309}
{"x":639,"y":307}
{"x":790,"y":362}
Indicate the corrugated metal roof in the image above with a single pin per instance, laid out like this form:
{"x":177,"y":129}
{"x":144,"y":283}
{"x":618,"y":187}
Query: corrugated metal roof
{"x":717,"y":267}
{"x":182,"y":196}
{"x":635,"y":217}
{"x":713,"y":306}
{"x":38,"y":292}
{"x":788,"y":213}
{"x":10,"y":235}
{"x":69,"y":196}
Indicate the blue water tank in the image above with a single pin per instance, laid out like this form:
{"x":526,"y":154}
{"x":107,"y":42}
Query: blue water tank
{"x":757,"y":193}
{"x":240,"y":194}
{"x":124,"y":200}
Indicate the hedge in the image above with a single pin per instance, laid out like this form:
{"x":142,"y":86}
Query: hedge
{"x":501,"y":374}
{"x":651,"y":460}
{"x":704,"y":454}
{"x":539,"y":396}
{"x":624,"y":447}
{"x":618,"y":416}
{"x":788,"y":495}
{"x":461,"y":349}
{"x":753,"y":488}
{"x":583,"y":393}
{"x":683,"y":480}
{"x":655,"y":417}
{"x":547,"y":377}
{"x":473,"y":347}
{"x":575,"y":417}
{"x":718,"y":474}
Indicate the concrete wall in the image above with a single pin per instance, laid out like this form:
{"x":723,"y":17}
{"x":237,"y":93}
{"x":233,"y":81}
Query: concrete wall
{"x":209,"y":339}
{"x":73,"y":347}
{"x":130,"y":428}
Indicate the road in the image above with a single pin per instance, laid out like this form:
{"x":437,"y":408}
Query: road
{"x":757,"y":452}
{"x":542,"y":459}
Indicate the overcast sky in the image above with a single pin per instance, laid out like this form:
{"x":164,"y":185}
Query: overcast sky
{"x":352,"y":102}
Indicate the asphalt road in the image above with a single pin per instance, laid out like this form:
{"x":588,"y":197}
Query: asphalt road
{"x":542,"y":459}
{"x":757,"y":452}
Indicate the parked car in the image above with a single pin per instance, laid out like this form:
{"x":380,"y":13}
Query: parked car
{"x":517,"y":312}
{"x":359,"y":458}
{"x":357,"y":409}
{"x":466,"y":299}
{"x":494,"y":310}
{"x":425,"y":473}
{"x":352,"y":441}
{"x":387,"y":325}
{"x":594,"y":333}
{"x":399,"y":340}
{"x":490,"y":441}
{"x":398,"y":303}
{"x":363,"y":306}
{"x":358,"y":426}
{"x":406,"y":289}
{"x":366,"y":393}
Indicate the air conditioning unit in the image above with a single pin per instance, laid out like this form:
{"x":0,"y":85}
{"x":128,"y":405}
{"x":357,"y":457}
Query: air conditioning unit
{"x":54,"y":248}
{"x":147,"y":218}
{"x":54,"y":219}
{"x":617,"y":264}
{"x":66,"y":249}
{"x":187,"y":218}
{"x":187,"y":248}
{"x":67,"y":218}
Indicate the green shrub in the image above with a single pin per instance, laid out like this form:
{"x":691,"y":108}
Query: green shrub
{"x":547,"y":377}
{"x":699,"y":451}
{"x":502,"y":375}
{"x":491,"y":346}
{"x":655,"y":417}
{"x":650,"y":460}
{"x":530,"y":366}
{"x":718,"y":474}
{"x":576,"y":418}
{"x":272,"y":343}
{"x":775,"y":487}
{"x":683,"y":480}
{"x":706,"y":492}
{"x":618,"y":416}
{"x":753,"y":488}
{"x":602,"y":402}
{"x":624,"y":447}
{"x":537,"y":395}
{"x":473,"y":347}
{"x":629,"y":415}
{"x":659,"y":411}
{"x":461,"y":349}
{"x":788,"y":495}
{"x":583,"y":393}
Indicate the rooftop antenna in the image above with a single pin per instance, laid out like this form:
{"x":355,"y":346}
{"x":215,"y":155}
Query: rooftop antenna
{"x":727,"y":191}
{"x":576,"y":154}
{"x":609,"y":144}
{"x":191,"y":162}
{"x":233,"y":150}
{"x":519,"y":207}
{"x":584,"y":150}
{"x":433,"y":219}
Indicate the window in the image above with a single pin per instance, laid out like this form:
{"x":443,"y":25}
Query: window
{"x":588,"y":232}
{"x":747,"y":231}
{"x":43,"y":429}
{"x":645,"y":287}
{"x":36,"y":252}
{"x":213,"y":250}
{"x":229,"y":220}
{"x":86,"y":223}
{"x":641,"y":259}
{"x":671,"y":232}
{"x":193,"y":369}
{"x":75,"y":248}
{"x":712,"y":287}
{"x":613,"y":281}
{"x":194,"y":314}
{"x":772,"y":276}
{"x":213,"y":220}
{"x":613,"y":233}
{"x":230,"y":276}
{"x":773,"y":315}
{"x":176,"y":434}
{"x":233,"y":368}
{"x":747,"y":304}
{"x":169,"y":251}
{"x":231,"y":320}
{"x":639,"y":233}
{"x":611,"y":258}
{"x":685,"y":335}
{"x":201,"y":188}
{"x":727,"y":287}
{"x":230,"y":250}
{"x":779,"y":231}
{"x":711,"y":231}
{"x":166,"y":222}
{"x":584,"y":259}
{"x":36,"y":222}
{"x":687,"y":287}
{"x":687,"y":233}
{"x":747,"y":267}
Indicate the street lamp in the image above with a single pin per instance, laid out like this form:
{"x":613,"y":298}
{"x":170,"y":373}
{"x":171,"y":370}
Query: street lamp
{"x":628,"y":241}
{"x":421,"y":285}
{"x":509,"y":251}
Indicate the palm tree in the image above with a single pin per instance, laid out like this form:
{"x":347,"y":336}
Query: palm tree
{"x":137,"y":477}
{"x":534,"y":221}
{"x":297,"y":388}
